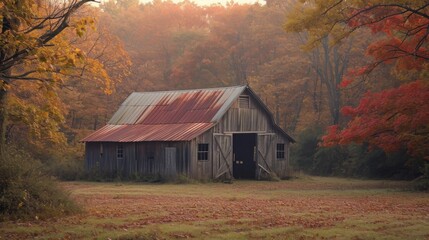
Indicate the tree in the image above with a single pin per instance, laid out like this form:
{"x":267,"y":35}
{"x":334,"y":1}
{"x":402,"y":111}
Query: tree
{"x":392,"y":118}
{"x":222,"y":54}
{"x":156,"y":34}
{"x":402,"y":24}
{"x":330,"y":62}
{"x":31,"y":48}
{"x":88,"y":103}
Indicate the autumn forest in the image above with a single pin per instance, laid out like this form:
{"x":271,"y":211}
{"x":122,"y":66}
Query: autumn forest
{"x":348,"y":80}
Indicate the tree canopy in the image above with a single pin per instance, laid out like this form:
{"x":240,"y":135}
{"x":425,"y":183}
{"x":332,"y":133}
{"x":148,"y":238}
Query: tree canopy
{"x":48,"y":47}
{"x":393,"y":118}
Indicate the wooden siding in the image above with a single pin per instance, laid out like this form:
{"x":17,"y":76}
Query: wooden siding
{"x":168,"y":159}
{"x":280,"y":166}
{"x":202,"y":169}
{"x":252,"y":119}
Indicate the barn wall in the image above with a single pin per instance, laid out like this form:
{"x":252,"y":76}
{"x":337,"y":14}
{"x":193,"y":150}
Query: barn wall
{"x":280,"y":166}
{"x":253,"y":119}
{"x":167,"y":159}
{"x":202,"y":169}
{"x":92,"y":155}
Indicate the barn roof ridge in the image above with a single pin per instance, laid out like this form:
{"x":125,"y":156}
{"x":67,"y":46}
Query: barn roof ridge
{"x":193,"y":89}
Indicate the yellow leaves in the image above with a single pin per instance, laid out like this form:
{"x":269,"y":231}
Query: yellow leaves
{"x":58,"y":59}
{"x":4,"y":86}
{"x":82,"y":24}
{"x":24,"y":198}
{"x":96,"y":68}
{"x":37,"y":110}
{"x":313,"y":17}
{"x":78,"y":59}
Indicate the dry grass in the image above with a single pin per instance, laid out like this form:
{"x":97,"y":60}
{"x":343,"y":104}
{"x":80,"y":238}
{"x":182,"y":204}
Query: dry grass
{"x":309,"y":208}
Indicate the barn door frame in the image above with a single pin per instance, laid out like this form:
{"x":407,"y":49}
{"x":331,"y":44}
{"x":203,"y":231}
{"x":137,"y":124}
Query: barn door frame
{"x":222,"y":152}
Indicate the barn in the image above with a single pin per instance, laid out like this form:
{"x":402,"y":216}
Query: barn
{"x":215,"y":133}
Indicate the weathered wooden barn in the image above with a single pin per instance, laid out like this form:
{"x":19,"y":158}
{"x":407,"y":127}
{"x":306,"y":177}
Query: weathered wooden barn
{"x":216,"y":133}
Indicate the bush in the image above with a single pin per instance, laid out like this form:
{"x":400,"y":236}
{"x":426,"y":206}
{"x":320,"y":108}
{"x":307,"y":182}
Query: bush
{"x":303,"y":151}
{"x":66,"y":163}
{"x":422,"y":183}
{"x":27,"y":191}
{"x":68,"y":169}
{"x":354,"y":160}
{"x":328,"y":161}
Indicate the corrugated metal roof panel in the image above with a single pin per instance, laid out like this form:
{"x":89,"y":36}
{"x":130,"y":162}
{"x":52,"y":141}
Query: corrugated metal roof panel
{"x":227,"y":100}
{"x":141,"y":133}
{"x":183,"y":106}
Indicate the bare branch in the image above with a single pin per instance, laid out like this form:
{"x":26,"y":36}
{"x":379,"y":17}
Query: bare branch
{"x":63,"y":15}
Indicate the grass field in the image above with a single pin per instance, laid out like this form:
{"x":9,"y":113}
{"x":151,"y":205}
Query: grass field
{"x":308,"y":208}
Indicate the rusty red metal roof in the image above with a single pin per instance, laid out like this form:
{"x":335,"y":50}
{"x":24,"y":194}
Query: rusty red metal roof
{"x":182,"y":106}
{"x":141,"y":133}
{"x":167,"y":115}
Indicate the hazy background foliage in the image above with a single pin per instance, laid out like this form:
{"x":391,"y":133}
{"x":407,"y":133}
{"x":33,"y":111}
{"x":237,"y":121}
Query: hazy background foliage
{"x":307,"y":60}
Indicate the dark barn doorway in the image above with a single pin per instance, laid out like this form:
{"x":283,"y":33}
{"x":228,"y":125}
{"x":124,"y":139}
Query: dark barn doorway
{"x":244,"y":162}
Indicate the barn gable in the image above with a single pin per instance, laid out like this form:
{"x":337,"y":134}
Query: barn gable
{"x":246,"y":130}
{"x":167,"y":132}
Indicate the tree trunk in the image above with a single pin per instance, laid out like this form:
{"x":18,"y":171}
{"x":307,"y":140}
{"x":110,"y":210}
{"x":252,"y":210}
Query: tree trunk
{"x":277,"y":108}
{"x":95,"y":125}
{"x":330,"y":64}
{"x":3,"y":116}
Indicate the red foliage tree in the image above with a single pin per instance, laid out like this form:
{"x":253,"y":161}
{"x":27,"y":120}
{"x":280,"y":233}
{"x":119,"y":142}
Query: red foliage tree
{"x":394,"y":118}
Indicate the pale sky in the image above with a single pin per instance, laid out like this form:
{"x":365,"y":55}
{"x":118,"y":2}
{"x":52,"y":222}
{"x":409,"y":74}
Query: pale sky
{"x":210,"y":2}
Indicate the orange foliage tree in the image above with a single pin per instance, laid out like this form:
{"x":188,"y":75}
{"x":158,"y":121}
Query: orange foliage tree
{"x":32,"y":49}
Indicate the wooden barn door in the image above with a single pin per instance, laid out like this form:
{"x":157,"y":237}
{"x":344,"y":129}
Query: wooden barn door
{"x":222,"y":156}
{"x":265,"y":149}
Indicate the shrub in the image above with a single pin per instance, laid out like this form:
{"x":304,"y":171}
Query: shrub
{"x":422,"y":183}
{"x":68,"y":169}
{"x":328,"y":161}
{"x":303,"y":151}
{"x":353,"y":160}
{"x":65,"y":163}
{"x":27,"y":191}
